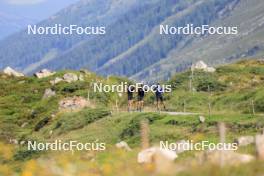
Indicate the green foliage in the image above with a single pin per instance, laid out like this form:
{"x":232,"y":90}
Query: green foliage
{"x":24,"y":154}
{"x":72,"y":121}
{"x":210,"y":84}
{"x":133,"y":128}
{"x":71,"y":88}
{"x":179,"y":80}
{"x":41,"y":123}
{"x":231,"y":88}
{"x":257,"y":70}
{"x":260,"y":105}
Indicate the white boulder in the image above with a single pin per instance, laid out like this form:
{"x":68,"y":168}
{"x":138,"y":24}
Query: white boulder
{"x":201,"y":65}
{"x":123,"y":145}
{"x":56,"y":81}
{"x":49,"y":93}
{"x":148,"y":155}
{"x":44,"y":73}
{"x":11,"y":72}
{"x":70,"y":77}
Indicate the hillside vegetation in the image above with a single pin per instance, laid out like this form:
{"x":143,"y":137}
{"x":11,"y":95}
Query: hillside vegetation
{"x":231,"y":88}
{"x":26,"y":116}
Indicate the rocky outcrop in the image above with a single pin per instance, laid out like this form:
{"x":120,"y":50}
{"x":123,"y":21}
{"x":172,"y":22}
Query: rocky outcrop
{"x":201,"y":65}
{"x":70,"y":77}
{"x":44,"y":73}
{"x":11,"y":72}
{"x":73,"y":103}
{"x":56,"y":81}
{"x":49,"y":93}
{"x":81,"y":78}
{"x":123,"y":145}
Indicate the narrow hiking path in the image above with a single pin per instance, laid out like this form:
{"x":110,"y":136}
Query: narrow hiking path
{"x":153,"y":110}
{"x":179,"y":113}
{"x":165,"y":112}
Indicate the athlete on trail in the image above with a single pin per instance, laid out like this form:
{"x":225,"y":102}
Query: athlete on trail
{"x":159,"y":97}
{"x":140,"y":98}
{"x":130,"y":97}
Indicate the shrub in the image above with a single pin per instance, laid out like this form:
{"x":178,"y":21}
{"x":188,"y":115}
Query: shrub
{"x":77,"y":120}
{"x":133,"y":127}
{"x":23,"y":155}
{"x":41,"y":123}
{"x":210,"y":85}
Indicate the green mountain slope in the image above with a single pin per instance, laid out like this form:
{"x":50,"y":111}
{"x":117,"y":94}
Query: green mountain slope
{"x":231,"y":89}
{"x":132,"y":45}
{"x":32,"y":49}
{"x":215,"y":49}
{"x":26,"y":116}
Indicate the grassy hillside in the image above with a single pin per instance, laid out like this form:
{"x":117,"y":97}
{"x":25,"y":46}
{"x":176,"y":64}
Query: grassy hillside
{"x":26,"y":116}
{"x":231,"y":88}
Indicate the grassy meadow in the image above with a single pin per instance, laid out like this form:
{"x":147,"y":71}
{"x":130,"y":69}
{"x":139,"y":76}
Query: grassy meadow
{"x":234,"y":93}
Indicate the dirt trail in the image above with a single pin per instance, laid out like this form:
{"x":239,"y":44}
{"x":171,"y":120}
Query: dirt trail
{"x":179,"y":113}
